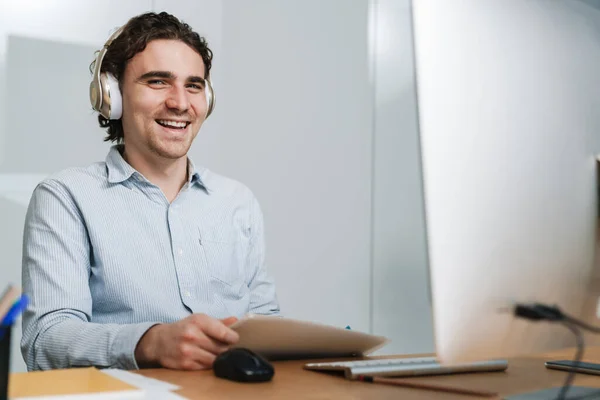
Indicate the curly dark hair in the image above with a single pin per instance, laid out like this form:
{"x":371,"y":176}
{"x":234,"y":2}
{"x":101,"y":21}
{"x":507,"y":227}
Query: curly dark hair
{"x":136,"y":34}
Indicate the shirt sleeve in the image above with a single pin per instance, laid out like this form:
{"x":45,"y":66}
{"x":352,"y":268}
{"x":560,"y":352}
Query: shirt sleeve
{"x":263,"y":298}
{"x":57,"y":332}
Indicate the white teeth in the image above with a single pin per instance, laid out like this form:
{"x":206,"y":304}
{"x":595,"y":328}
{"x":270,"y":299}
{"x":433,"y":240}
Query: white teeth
{"x":174,"y":124}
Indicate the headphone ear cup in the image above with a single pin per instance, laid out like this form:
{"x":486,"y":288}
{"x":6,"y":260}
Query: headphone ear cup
{"x":111,"y":106}
{"x":116,"y":99}
{"x":95,"y":95}
{"x":210,"y":98}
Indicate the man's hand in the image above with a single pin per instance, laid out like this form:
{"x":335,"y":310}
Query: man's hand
{"x":190,"y":344}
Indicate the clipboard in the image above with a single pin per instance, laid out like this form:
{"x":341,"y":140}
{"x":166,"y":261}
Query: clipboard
{"x":279,"y":338}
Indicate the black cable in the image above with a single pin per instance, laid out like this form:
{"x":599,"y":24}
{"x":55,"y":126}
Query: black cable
{"x":582,"y":324}
{"x":591,"y":328}
{"x":542,"y":312}
{"x":578,"y":356}
{"x":539,"y":312}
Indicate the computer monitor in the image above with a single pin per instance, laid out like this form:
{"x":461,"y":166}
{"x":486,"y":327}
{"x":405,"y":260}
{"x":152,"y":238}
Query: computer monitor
{"x":508,"y":142}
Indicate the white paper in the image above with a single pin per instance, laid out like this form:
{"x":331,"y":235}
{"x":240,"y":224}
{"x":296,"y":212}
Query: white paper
{"x":140,"y":381}
{"x":163,"y":395}
{"x":122,"y":395}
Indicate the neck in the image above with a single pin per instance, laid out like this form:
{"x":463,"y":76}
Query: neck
{"x":170,"y":175}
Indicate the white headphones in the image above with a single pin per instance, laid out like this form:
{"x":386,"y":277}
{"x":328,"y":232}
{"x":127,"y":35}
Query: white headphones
{"x":105,"y":94}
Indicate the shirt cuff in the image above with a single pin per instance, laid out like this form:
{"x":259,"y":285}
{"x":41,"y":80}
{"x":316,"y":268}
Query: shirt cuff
{"x":123,"y":347}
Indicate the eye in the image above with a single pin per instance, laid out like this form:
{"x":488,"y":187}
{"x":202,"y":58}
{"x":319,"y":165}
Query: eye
{"x":156,"y":82}
{"x":195,"y":87}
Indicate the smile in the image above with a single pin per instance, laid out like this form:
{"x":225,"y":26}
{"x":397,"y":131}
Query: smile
{"x":172,"y":124}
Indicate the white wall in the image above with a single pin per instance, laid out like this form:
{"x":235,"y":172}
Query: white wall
{"x":299,"y":135}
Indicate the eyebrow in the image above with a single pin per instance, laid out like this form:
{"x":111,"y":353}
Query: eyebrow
{"x":157,"y":74}
{"x":170,"y":75}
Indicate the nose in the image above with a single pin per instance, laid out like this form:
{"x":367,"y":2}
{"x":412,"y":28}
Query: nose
{"x":177,"y":99}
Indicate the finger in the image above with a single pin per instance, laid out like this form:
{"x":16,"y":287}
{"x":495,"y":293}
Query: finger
{"x":211,"y":345}
{"x":194,"y":335}
{"x":195,"y":358}
{"x":229,"y":321}
{"x":216,"y":329}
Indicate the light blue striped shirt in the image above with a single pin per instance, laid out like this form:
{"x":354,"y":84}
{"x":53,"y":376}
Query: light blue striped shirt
{"x":105,"y":257}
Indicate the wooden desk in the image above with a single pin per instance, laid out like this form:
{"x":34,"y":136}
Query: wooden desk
{"x":291,"y":381}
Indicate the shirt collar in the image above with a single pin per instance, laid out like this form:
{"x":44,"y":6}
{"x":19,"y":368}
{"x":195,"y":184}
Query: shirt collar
{"x":119,"y":170}
{"x":197,"y":176}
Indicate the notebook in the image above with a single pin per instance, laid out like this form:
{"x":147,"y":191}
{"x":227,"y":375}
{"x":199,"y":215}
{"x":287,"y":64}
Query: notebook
{"x":71,"y":384}
{"x":284,"y":338}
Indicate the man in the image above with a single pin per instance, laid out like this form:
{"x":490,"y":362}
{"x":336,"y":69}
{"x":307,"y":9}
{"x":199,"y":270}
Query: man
{"x":145,"y":259}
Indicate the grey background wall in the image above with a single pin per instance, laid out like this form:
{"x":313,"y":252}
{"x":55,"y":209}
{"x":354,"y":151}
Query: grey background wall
{"x":301,"y":139}
{"x":400,"y":295}
{"x":299,"y":86}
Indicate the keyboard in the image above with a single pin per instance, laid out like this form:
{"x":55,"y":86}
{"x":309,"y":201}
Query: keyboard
{"x":404,"y":367}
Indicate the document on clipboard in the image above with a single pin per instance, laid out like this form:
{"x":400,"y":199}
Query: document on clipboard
{"x":279,"y":338}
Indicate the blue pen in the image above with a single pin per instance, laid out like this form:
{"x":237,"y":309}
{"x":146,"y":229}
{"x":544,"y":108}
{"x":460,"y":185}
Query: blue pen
{"x":17,"y":308}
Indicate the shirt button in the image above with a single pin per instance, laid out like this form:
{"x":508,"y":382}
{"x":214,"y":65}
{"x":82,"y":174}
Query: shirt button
{"x":188,"y":294}
{"x":180,"y":251}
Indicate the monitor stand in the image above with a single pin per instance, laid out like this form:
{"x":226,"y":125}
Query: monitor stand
{"x":551,"y":394}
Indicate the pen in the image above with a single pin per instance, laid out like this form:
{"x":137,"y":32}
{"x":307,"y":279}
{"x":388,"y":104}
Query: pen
{"x":430,"y":386}
{"x":17,"y":308}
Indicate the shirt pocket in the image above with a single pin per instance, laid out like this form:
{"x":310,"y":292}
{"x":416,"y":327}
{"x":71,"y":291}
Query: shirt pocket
{"x":224,"y":255}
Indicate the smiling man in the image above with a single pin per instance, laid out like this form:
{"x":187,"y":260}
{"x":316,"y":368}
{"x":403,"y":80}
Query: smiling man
{"x":144,"y":259}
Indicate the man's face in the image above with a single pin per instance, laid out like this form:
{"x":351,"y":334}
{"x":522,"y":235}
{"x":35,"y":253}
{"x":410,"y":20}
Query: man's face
{"x":164,"y":102}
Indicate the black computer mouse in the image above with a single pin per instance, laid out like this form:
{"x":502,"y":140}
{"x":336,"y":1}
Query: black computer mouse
{"x":242,"y":365}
